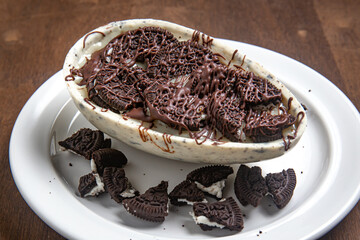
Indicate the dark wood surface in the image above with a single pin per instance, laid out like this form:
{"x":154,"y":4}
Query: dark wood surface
{"x":36,"y":35}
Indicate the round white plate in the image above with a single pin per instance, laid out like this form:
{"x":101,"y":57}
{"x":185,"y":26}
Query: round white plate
{"x":325,"y":161}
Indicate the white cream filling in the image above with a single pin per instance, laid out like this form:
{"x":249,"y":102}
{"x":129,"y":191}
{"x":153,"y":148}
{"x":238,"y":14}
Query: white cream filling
{"x":189,"y":202}
{"x":214,"y":189}
{"x":204,"y":220}
{"x":128,"y":193}
{"x":93,"y":166}
{"x":98,"y":189}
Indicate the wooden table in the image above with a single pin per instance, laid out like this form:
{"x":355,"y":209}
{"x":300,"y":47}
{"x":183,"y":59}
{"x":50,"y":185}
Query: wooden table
{"x":36,"y":35}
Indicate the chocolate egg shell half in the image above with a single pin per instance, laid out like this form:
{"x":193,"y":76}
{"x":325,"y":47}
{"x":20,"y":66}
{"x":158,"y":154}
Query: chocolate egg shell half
{"x":160,"y":139}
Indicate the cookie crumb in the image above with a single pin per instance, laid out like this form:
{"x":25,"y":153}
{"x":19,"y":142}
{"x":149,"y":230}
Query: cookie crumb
{"x":70,"y":164}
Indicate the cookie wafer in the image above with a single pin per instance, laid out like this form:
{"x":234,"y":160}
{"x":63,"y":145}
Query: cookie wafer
{"x":151,"y":205}
{"x":117,"y":185}
{"x":186,"y":192}
{"x":250,"y":185}
{"x":281,"y":186}
{"x":179,"y":60}
{"x":90,"y":185}
{"x":84,"y":142}
{"x":222,"y":214}
{"x":211,"y":179}
{"x":107,"y":157}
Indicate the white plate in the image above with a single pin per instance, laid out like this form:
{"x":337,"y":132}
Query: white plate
{"x":325,"y":161}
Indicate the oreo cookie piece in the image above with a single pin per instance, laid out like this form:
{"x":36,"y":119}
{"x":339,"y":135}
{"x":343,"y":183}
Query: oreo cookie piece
{"x":222,"y":214}
{"x":117,"y":185}
{"x":152,"y":205}
{"x":250,"y":186}
{"x":138,"y":45}
{"x":179,"y":59}
{"x":175,"y":106}
{"x":90,"y":185}
{"x":116,"y":86}
{"x":185,"y":193}
{"x":226,"y":115}
{"x":84,"y":142}
{"x":107,"y":157}
{"x":264,"y":127}
{"x":281,"y":186}
{"x":256,"y":90}
{"x":211,"y":179}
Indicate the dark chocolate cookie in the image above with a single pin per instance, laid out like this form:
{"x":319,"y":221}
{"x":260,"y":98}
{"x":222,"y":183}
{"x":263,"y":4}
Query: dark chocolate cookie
{"x":179,"y":60}
{"x":255,"y":90}
{"x":261,"y":126}
{"x":107,"y":157}
{"x":281,"y":186}
{"x":117,"y":185}
{"x":250,"y":185}
{"x":224,"y":214}
{"x":90,"y":185}
{"x":226,"y":115}
{"x":186,"y":192}
{"x":138,"y":45}
{"x":152,"y":205}
{"x":175,"y":106}
{"x":210,"y":179}
{"x":116,"y":86}
{"x":84,"y":142}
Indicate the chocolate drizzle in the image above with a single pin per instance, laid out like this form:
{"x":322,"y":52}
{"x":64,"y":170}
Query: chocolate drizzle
{"x":149,"y":75}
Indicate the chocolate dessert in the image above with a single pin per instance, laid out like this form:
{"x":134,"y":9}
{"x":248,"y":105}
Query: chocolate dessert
{"x":185,"y":85}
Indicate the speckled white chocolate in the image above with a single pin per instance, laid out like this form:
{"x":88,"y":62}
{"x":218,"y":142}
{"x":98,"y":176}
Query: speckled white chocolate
{"x":162,"y":140}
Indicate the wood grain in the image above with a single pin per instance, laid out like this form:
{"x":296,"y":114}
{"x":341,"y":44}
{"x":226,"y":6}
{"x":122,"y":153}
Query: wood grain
{"x":36,"y":35}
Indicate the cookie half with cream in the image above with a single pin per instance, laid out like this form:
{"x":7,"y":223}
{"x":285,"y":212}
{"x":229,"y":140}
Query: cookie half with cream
{"x":211,"y":179}
{"x":222,"y":214}
{"x":186,"y":193}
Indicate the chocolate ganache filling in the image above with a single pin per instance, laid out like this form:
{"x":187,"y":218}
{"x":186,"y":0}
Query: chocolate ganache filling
{"x":148,"y":74}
